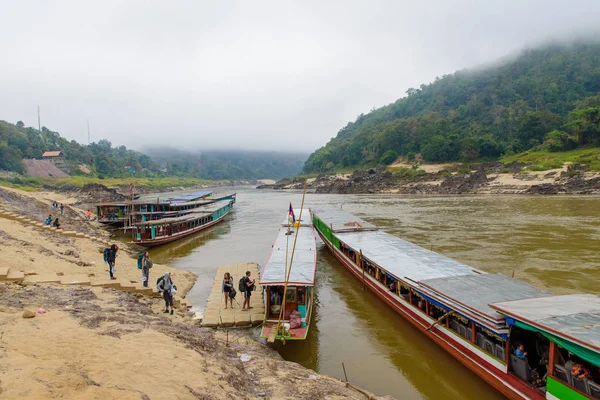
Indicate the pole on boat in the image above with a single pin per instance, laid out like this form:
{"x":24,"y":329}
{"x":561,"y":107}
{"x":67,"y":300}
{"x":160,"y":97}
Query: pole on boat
{"x":440,"y":320}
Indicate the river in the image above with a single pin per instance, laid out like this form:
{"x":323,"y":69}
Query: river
{"x":550,"y":242}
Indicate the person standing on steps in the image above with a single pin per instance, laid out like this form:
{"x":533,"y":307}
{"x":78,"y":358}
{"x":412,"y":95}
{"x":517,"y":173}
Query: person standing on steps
{"x":227,"y":288}
{"x":249,"y":286}
{"x":111,"y":259}
{"x":167,"y":287}
{"x":146,"y":265}
{"x":62,"y":208}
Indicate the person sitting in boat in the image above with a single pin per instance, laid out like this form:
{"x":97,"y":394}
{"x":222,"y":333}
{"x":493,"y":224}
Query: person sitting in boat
{"x":520,"y":352}
{"x":579,"y":371}
{"x":393,"y":287}
{"x":275,"y":297}
{"x":48,"y":220}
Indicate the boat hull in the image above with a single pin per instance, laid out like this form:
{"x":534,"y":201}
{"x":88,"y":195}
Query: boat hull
{"x":179,"y":235}
{"x":505,"y":383}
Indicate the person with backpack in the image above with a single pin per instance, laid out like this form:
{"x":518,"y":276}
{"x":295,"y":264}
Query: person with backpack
{"x":145,"y":263}
{"x":48,"y":220}
{"x":248,"y":286}
{"x":227,"y":289}
{"x":110,"y":256}
{"x":165,"y":285}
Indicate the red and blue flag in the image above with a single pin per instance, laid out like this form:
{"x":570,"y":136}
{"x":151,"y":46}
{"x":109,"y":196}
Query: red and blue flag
{"x":291,"y":213}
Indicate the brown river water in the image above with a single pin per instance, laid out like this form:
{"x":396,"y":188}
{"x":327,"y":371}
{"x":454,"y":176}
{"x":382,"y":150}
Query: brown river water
{"x":550,"y":242}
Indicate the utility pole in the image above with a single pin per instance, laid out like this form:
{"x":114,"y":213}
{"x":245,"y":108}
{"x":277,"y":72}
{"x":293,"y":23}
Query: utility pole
{"x":39,"y":125}
{"x":89,"y":141}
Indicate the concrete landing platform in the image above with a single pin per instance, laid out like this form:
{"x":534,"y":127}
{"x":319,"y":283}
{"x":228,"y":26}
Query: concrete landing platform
{"x":216,"y":314}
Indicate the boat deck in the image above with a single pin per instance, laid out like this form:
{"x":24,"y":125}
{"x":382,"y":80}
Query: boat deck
{"x":297,"y":333}
{"x":216,"y":314}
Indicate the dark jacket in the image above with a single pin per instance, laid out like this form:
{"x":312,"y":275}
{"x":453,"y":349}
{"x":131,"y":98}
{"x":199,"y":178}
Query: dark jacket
{"x":112,"y":256}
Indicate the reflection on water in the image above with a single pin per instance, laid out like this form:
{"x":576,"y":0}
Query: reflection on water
{"x":550,"y":242}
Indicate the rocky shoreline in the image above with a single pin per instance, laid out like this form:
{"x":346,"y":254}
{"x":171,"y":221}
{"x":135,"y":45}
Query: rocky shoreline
{"x":485,"y":178}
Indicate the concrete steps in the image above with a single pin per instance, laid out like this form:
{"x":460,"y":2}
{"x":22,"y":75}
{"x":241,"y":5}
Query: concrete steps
{"x":8,"y":274}
{"x":38,"y":224}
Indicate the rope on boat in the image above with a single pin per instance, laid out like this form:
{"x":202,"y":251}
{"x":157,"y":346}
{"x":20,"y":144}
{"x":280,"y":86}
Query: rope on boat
{"x":440,"y":320}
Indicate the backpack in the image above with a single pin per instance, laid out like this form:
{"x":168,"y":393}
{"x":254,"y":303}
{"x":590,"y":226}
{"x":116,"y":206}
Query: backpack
{"x":242,"y":284}
{"x":140,"y":258}
{"x":232,"y":293}
{"x":148,"y":263}
{"x":106,"y":250}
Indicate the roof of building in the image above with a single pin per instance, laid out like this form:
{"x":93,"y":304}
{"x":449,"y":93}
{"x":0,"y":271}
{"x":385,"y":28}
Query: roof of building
{"x":403,"y":259}
{"x":52,"y":154}
{"x":303,"y":264}
{"x":574,"y":317}
{"x":341,"y":221}
{"x":476,"y":292}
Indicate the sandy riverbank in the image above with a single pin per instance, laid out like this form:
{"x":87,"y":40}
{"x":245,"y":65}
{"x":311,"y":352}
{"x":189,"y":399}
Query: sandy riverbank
{"x":98,"y":343}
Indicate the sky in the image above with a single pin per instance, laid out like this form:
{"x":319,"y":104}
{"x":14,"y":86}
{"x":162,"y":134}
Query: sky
{"x":253,"y":75}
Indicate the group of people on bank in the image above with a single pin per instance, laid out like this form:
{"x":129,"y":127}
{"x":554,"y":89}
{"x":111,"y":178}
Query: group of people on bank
{"x":246,"y":286}
{"x":164,"y":284}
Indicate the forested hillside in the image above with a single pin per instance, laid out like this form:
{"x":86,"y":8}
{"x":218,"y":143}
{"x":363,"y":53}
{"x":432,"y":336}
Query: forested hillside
{"x":546,"y":98}
{"x":229,"y":164}
{"x":18,"y":142}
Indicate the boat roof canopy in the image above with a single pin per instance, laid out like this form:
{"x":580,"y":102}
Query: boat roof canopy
{"x":574,"y":317}
{"x":189,"y":197}
{"x":341,"y":221}
{"x":403,"y":259}
{"x":306,"y":219}
{"x":476,"y":292}
{"x":303,"y":265}
{"x":196,"y":213}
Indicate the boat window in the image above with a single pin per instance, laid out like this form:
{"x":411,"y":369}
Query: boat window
{"x":290,"y":295}
{"x":529,"y":353}
{"x":575,"y":372}
{"x":462,"y":326}
{"x":301,"y":295}
{"x":491,"y":343}
{"x":404,"y":290}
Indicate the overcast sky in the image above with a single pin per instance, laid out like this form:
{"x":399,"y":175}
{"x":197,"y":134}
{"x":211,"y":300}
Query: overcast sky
{"x":277,"y":75}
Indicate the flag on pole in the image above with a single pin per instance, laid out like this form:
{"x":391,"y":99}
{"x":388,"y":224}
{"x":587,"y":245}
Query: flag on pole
{"x":291,"y":213}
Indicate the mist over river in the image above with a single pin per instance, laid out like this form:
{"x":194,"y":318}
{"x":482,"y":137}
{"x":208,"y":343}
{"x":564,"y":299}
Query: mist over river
{"x":550,"y":242}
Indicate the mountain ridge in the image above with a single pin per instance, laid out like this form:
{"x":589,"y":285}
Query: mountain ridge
{"x":479,"y":114}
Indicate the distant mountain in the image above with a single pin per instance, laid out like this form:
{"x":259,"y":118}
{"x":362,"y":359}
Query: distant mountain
{"x":220,"y":165}
{"x":18,"y":142}
{"x":546,"y":97}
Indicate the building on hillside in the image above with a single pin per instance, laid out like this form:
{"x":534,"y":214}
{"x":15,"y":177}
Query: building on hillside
{"x":55,"y":157}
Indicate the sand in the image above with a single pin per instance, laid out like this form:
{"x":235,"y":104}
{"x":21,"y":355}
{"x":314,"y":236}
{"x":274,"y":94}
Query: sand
{"x":95,"y":343}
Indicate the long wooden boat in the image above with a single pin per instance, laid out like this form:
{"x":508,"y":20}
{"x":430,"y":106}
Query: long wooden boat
{"x":155,"y":232}
{"x":121,"y":213}
{"x":479,"y":318}
{"x":290,"y":285}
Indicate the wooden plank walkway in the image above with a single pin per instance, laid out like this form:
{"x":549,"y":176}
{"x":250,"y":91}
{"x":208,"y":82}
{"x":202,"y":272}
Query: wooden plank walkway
{"x":216,"y":314}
